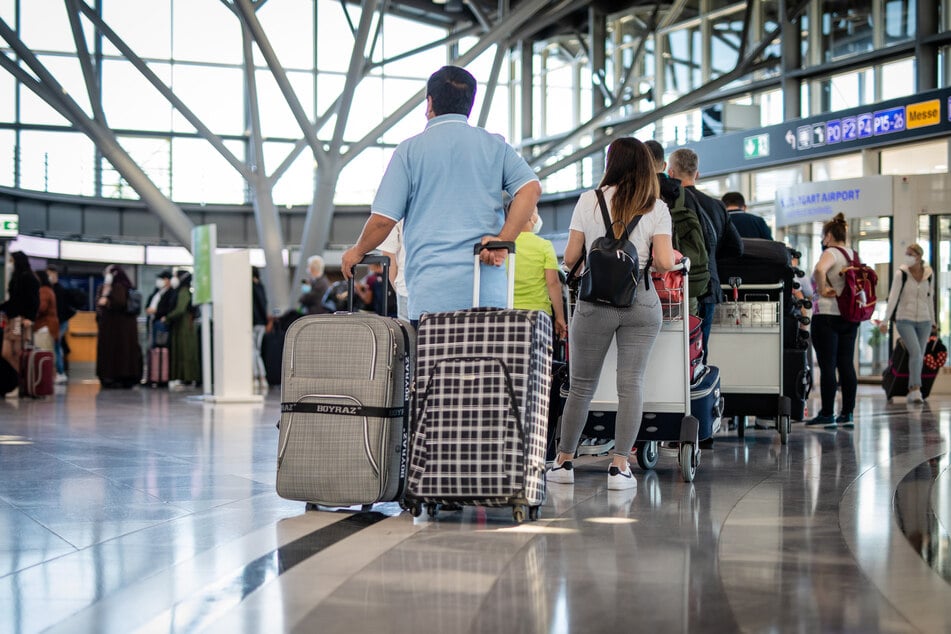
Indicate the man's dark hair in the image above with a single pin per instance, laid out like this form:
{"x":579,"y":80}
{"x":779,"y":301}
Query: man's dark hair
{"x":657,"y":151}
{"x":52,"y":268}
{"x":734,"y":200}
{"x":452,"y":89}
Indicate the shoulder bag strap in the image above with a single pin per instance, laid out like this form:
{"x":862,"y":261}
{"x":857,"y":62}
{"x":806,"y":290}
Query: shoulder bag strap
{"x":605,"y":216}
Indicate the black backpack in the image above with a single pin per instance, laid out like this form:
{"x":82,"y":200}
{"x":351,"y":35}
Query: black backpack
{"x":613,"y":270}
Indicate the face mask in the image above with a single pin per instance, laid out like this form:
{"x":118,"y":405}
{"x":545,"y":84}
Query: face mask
{"x":174,"y":282}
{"x":911,"y":260}
{"x":537,"y":226}
{"x":108,"y":278}
{"x":304,"y":289}
{"x":160,"y":283}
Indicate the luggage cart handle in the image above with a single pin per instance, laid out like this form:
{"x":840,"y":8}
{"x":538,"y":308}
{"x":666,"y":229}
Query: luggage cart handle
{"x":476,"y":281}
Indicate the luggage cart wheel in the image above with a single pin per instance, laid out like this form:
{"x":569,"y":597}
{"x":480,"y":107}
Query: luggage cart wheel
{"x":432,"y":509}
{"x":740,"y":425}
{"x":518,"y":514}
{"x":688,"y":461}
{"x":310,"y":506}
{"x":534,"y":512}
{"x":647,"y":454}
{"x":416,"y":509}
{"x":784,"y":425}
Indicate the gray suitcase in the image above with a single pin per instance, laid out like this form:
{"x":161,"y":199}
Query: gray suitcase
{"x":344,"y":409}
{"x":481,"y":410}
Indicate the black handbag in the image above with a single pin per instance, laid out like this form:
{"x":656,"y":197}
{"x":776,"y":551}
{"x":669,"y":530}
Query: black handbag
{"x":613,"y":266}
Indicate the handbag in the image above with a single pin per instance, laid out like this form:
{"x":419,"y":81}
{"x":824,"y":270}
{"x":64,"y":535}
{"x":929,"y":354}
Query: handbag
{"x":936,"y":354}
{"x":613,"y":267}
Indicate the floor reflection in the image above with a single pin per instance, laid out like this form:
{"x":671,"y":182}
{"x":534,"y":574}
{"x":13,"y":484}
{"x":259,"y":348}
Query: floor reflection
{"x":916,"y":516}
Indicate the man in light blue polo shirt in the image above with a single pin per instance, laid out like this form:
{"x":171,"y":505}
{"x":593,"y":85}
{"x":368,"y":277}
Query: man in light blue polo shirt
{"x":446,"y":185}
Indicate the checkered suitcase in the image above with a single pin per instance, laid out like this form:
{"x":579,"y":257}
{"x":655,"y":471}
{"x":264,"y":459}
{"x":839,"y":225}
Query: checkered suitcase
{"x":344,"y":417}
{"x":481,"y":409}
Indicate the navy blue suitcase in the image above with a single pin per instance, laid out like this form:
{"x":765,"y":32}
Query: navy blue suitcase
{"x":706,"y":405}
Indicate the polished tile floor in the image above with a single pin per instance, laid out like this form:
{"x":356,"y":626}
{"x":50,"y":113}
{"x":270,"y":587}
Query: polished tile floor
{"x":148,"y":510}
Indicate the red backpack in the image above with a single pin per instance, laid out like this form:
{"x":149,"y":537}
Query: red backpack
{"x":857,"y":299}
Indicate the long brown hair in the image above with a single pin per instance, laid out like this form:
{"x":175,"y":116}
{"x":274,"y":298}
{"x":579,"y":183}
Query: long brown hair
{"x":630,"y":168}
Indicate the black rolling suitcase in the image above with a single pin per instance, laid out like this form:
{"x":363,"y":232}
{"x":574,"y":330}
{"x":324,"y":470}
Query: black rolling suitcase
{"x":895,"y":376}
{"x":481,"y":408}
{"x":797,"y":381}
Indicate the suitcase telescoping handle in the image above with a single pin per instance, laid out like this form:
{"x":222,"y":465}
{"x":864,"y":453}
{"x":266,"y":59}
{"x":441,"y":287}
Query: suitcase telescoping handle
{"x":371,"y":258}
{"x":492,"y":246}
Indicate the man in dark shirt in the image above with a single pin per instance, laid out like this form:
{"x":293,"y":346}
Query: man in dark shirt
{"x":669,"y":187}
{"x":749,"y":225}
{"x":721,"y":236}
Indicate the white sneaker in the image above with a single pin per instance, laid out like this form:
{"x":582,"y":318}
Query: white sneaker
{"x":61,"y":379}
{"x":914,"y":396}
{"x":563,"y":473}
{"x":620,"y":480}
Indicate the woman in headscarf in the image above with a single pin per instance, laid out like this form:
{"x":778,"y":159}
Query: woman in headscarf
{"x":184,"y":340}
{"x":118,"y":355}
{"x":23,"y":302}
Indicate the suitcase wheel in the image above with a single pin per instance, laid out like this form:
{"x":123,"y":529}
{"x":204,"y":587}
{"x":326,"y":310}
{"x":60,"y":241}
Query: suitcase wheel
{"x":534,"y":512}
{"x":432,"y":509}
{"x":518,"y":514}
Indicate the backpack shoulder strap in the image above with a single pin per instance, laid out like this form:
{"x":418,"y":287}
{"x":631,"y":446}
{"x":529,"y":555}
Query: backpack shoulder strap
{"x":850,"y":259}
{"x":603,"y":206}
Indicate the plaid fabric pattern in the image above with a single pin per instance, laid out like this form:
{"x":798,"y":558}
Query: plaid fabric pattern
{"x":472,"y":410}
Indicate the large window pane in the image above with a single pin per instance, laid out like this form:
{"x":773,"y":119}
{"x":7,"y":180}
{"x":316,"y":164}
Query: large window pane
{"x":765,"y":183}
{"x":66,"y":70}
{"x":361,"y":177}
{"x":7,"y":103}
{"x":205,"y":31}
{"x":919,"y":158}
{"x":848,"y":90}
{"x":44,"y":26}
{"x":334,"y":39}
{"x":396,"y":92}
{"x":152,"y":155}
{"x":289,"y":25}
{"x":401,"y":35}
{"x":898,"y":79}
{"x":846,"y":28}
{"x":130,"y":101}
{"x":215,"y":95}
{"x":725,"y":40}
{"x":201,"y":175}
{"x":56,"y":162}
{"x":899,"y":20}
{"x":7,"y":157}
{"x":145,"y":26}
{"x":837,"y":168}
{"x":7,"y":11}
{"x":296,"y":186}
{"x":277,"y":119}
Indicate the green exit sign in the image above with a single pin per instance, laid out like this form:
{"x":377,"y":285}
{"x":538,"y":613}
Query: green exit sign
{"x":756,"y":146}
{"x":9,"y":225}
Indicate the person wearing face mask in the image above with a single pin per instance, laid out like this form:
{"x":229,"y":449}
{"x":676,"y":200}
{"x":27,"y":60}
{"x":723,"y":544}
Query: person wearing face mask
{"x":833,"y":338}
{"x":183,"y":364}
{"x":118,"y":355}
{"x":313,"y":289}
{"x":20,"y":308}
{"x":911,"y":307}
{"x":157,"y":306}
{"x":537,"y":283}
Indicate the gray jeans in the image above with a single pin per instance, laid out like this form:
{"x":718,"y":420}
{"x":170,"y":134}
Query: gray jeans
{"x":915,"y":334}
{"x":593,"y":326}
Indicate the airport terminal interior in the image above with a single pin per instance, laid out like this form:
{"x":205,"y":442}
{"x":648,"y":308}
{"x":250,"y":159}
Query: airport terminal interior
{"x":164,"y":135}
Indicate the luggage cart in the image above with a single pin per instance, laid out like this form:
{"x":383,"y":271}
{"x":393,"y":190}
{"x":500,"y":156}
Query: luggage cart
{"x":667,"y":416}
{"x":746,"y":343}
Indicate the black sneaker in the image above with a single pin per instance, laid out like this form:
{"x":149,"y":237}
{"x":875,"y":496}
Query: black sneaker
{"x":845,"y":420}
{"x":822,"y":419}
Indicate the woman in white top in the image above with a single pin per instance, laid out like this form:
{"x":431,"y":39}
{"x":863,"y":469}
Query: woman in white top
{"x":911,"y":305}
{"x":833,"y":338}
{"x":630,"y":189}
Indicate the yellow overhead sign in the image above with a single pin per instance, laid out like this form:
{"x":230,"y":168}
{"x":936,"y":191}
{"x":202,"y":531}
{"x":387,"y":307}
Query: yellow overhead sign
{"x":920,"y":115}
